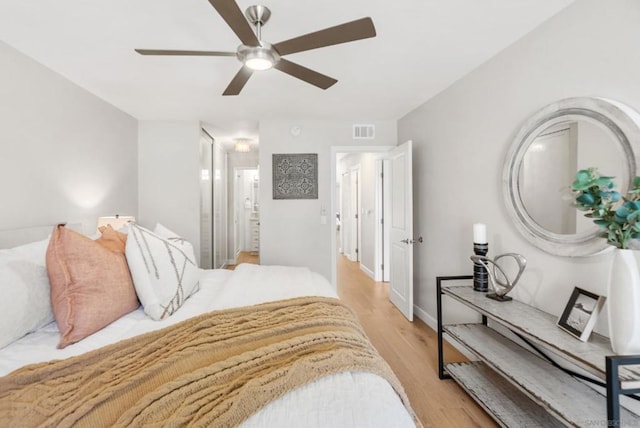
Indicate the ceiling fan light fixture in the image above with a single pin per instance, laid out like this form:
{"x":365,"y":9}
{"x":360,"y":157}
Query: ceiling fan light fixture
{"x":258,"y":64}
{"x":256,"y":55}
{"x":258,"y":58}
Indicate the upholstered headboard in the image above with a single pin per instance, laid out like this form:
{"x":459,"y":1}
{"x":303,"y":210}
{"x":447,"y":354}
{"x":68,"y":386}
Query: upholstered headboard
{"x":10,"y":238}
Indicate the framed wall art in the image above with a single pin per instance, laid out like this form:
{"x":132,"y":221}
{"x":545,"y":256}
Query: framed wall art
{"x":580,"y":314}
{"x":295,"y":176}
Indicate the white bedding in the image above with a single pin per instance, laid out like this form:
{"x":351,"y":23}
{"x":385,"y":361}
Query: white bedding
{"x":341,"y":400}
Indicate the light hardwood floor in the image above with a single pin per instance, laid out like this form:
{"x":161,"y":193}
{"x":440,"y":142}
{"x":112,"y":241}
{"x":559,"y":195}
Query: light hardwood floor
{"x":245,"y":257}
{"x":409,"y":348}
{"x":411,"y":351}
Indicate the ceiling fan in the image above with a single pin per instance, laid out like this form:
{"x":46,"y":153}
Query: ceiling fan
{"x":256,"y":54}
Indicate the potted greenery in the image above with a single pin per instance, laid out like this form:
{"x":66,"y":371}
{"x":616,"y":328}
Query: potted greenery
{"x":619,"y":219}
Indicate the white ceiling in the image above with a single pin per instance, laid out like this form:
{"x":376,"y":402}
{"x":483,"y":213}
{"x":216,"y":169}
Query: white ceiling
{"x":421,"y":47}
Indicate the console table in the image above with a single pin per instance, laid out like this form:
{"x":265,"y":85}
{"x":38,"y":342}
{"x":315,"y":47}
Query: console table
{"x":517,"y":382}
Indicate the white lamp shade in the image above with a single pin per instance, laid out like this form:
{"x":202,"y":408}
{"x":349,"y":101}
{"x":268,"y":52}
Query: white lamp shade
{"x":116,"y":221}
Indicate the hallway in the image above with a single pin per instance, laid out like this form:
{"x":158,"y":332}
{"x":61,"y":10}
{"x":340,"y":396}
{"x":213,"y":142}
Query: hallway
{"x":411,"y":351}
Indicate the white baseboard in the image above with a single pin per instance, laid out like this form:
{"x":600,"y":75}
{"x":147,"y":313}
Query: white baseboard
{"x":433,"y":323}
{"x":424,"y":316}
{"x":368,"y":271}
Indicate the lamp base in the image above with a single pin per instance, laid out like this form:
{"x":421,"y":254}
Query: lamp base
{"x":494,"y":296}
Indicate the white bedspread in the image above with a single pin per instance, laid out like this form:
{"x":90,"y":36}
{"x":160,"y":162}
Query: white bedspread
{"x":341,"y":400}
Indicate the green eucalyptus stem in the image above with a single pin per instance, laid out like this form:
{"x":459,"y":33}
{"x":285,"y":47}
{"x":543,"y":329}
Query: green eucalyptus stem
{"x":617,"y":216}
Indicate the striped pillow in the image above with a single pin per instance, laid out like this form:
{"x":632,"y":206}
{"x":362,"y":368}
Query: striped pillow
{"x":164,"y":271}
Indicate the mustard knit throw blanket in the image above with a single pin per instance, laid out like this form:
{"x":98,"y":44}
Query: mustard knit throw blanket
{"x":214,"y":369}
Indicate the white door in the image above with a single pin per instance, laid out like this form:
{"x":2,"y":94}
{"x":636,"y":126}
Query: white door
{"x":237,"y":209}
{"x":401,"y":268}
{"x":354,"y":230}
{"x":345,"y":215}
{"x":386,"y":214}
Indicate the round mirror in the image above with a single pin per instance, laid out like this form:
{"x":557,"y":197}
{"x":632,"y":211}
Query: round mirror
{"x":550,"y":147}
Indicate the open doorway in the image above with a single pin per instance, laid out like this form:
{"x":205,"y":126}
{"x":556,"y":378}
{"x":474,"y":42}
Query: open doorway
{"x":348,"y":213}
{"x":246,"y":215}
{"x":386,"y":179}
{"x":358,"y":203}
{"x":237,"y":162}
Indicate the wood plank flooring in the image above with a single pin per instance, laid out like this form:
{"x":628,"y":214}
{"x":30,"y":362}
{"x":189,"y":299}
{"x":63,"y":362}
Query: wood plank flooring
{"x":411,"y":351}
{"x":409,"y":348}
{"x":245,"y":257}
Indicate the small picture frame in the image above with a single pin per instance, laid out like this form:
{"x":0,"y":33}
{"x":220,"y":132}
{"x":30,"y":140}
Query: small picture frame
{"x":580,"y":314}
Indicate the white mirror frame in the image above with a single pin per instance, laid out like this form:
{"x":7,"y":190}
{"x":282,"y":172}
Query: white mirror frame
{"x":621,"y":120}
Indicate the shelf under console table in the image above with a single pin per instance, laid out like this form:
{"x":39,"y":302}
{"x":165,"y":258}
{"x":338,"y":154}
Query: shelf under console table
{"x":520,"y":385}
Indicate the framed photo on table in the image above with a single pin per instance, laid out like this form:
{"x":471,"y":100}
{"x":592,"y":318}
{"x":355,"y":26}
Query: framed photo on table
{"x":580,"y":314}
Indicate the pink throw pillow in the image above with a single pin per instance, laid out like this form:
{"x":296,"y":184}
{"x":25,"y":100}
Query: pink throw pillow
{"x":91,"y":284}
{"x":112,"y":239}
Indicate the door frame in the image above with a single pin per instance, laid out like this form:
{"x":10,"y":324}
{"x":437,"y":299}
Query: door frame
{"x":382,"y":211}
{"x":334,"y":204}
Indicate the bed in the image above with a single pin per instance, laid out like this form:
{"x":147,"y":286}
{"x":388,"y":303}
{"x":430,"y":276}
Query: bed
{"x":356,"y":394}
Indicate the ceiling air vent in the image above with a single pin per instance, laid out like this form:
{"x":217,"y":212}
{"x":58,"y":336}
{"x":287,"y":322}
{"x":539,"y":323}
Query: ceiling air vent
{"x":364,"y":132}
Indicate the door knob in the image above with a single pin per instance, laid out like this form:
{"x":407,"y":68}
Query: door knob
{"x":412,"y":241}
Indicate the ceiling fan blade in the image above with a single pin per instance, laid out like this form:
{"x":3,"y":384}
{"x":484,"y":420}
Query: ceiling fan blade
{"x":184,"y":53}
{"x":238,"y":81}
{"x":233,"y":16}
{"x":343,"y":33}
{"x":304,"y":73}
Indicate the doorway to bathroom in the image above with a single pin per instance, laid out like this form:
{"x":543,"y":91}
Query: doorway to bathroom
{"x":246,"y":214}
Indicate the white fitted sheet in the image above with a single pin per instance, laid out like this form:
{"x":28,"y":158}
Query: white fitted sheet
{"x":341,"y":400}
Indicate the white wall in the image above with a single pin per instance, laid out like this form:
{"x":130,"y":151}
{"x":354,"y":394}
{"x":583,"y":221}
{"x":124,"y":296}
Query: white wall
{"x":65,"y":155}
{"x":290,"y":230}
{"x":169,"y":177}
{"x":462,"y":135}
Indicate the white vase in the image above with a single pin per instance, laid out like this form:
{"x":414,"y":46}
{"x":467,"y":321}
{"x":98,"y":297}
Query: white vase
{"x":623,"y":302}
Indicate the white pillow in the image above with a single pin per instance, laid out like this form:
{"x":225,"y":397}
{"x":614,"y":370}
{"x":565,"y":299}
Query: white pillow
{"x":164,"y":271}
{"x":161,"y":230}
{"x":25,"y":305}
{"x":34,"y":252}
{"x":170,"y":235}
